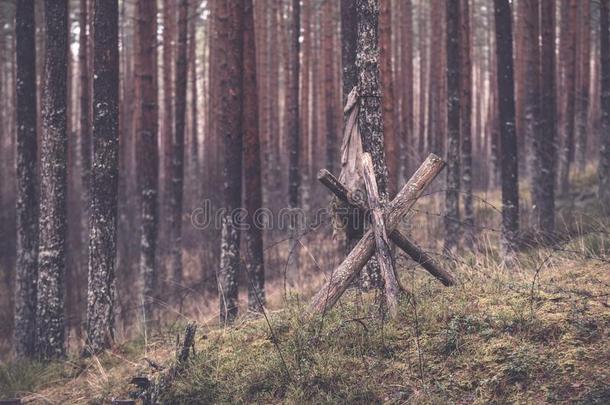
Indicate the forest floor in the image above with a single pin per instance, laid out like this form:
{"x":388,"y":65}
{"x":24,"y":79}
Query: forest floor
{"x":536,"y":332}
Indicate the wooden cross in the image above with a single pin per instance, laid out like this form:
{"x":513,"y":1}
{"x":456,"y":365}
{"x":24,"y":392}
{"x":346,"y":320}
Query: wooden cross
{"x":384,"y":224}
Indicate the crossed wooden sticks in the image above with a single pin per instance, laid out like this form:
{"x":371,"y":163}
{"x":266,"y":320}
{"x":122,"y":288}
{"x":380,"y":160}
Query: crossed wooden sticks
{"x":384,"y":224}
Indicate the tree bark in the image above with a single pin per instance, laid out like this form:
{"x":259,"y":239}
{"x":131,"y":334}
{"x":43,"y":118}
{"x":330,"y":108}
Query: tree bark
{"x":506,"y":113}
{"x":230,"y":18}
{"x":604,"y":157}
{"x":387,"y":95}
{"x":252,"y":168}
{"x":27,"y":182}
{"x":148,"y":151}
{"x":177,"y":173}
{"x":347,"y":271}
{"x":53,"y":186}
{"x":568,"y":59}
{"x":104,"y":176}
{"x":545,"y":148}
{"x":583,"y":59}
{"x":466,"y":104}
{"x":452,"y":193}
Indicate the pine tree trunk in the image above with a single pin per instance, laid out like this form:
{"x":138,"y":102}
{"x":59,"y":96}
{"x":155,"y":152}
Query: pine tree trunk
{"x":328,"y":50}
{"x":53,"y":185}
{"x":452,"y":193}
{"x":583,"y":59}
{"x":230,"y":18}
{"x":252,"y":168}
{"x":604,"y":157}
{"x":466,"y":104}
{"x":27,"y":182}
{"x":370,"y":118}
{"x":568,"y":51}
{"x":104,"y":176}
{"x":508,"y":137}
{"x":177,"y":173}
{"x":167,"y":129}
{"x":545,"y":143}
{"x":529,"y":11}
{"x":148,"y":151}
{"x":387,"y":94}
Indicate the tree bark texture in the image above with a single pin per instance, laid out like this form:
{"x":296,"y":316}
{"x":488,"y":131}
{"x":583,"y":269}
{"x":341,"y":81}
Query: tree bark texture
{"x":545,"y":148}
{"x":27,"y":183}
{"x":387,"y":95}
{"x":230,"y":18}
{"x":452,"y":193}
{"x":370,"y":117}
{"x":604,"y":157}
{"x":104,"y":177}
{"x":148,"y":151}
{"x":252,"y":168}
{"x":177,"y":172}
{"x":53,"y":185}
{"x":508,"y":137}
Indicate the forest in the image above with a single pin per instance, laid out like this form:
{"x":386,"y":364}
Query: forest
{"x":304,"y":201}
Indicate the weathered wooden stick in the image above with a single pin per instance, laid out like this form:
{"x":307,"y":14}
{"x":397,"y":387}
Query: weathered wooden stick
{"x":396,"y":236}
{"x":347,"y":271}
{"x":384,"y":257}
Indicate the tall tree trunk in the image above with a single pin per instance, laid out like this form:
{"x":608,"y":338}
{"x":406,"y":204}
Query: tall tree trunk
{"x":544,"y":146}
{"x":27,"y":183}
{"x":583,"y":59}
{"x":452,"y":196}
{"x":568,"y":51}
{"x":466,"y":105}
{"x":329,"y":87}
{"x":167,"y":129}
{"x":292,"y":115}
{"x":408,"y":148}
{"x":177,"y":173}
{"x":192,"y":60}
{"x":387,"y":94}
{"x":508,"y":137}
{"x":85,"y":97}
{"x":148,"y":151}
{"x":252,"y":167}
{"x":230,"y":18}
{"x":370,"y":117}
{"x":529,"y":11}
{"x":104,"y":176}
{"x":53,"y":185}
{"x":604,"y":157}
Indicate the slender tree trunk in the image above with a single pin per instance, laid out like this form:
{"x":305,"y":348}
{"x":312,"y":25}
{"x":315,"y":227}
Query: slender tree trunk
{"x":604,"y":157}
{"x":104,"y":176}
{"x":192,"y":60}
{"x":387,"y":94}
{"x":148,"y":151}
{"x":568,"y":48}
{"x":452,"y":196}
{"x":508,"y":137}
{"x":544,"y":146}
{"x":85,"y":97}
{"x":252,"y":167}
{"x":584,"y":81}
{"x":167,"y":129}
{"x":329,"y":87}
{"x":27,"y":182}
{"x":177,"y":183}
{"x":230,"y":18}
{"x":53,"y":185}
{"x":466,"y":105}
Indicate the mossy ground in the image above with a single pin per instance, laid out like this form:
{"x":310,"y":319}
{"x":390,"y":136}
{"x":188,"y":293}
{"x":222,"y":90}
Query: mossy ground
{"x":536,"y":331}
{"x":497,"y":337}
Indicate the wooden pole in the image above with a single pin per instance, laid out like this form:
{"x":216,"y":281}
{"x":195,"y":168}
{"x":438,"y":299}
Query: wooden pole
{"x":384,"y":257}
{"x":411,"y":249}
{"x":347,"y":271}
